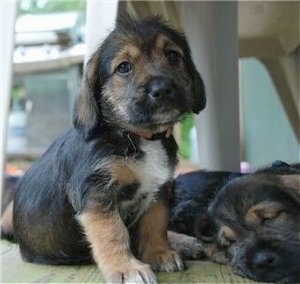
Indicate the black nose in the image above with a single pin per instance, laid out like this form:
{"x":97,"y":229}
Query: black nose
{"x":159,"y":88}
{"x":264,"y":259}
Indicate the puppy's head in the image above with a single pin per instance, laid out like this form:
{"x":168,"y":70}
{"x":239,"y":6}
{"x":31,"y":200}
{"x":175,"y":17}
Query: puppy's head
{"x":257,"y":217}
{"x":141,"y":79}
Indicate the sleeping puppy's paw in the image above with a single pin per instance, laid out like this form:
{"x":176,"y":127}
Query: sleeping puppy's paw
{"x":168,"y":261}
{"x":133,"y":271}
{"x":188,"y":247}
{"x":215,"y":253}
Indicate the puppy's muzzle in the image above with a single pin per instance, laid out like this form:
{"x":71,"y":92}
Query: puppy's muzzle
{"x":160,"y":89}
{"x":264,"y":260}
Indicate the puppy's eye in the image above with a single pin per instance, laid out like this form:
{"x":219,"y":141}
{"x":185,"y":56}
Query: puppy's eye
{"x":124,"y":68}
{"x":174,"y":57}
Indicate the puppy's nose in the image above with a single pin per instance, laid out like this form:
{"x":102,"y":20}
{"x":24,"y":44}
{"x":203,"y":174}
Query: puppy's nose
{"x":159,"y":87}
{"x":264,"y":259}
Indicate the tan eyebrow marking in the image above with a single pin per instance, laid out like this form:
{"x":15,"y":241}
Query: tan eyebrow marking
{"x":130,"y":52}
{"x":163,"y":42}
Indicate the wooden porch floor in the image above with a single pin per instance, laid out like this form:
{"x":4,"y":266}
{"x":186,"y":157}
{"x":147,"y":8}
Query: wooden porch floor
{"x":15,"y":270}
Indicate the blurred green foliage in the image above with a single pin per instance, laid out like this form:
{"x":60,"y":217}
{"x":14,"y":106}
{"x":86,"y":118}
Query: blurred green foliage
{"x":185,"y":145}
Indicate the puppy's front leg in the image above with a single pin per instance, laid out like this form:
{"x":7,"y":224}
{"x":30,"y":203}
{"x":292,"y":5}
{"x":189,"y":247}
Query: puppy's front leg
{"x":110,"y":245}
{"x":153,"y":243}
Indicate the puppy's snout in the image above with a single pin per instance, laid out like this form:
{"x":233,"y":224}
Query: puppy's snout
{"x":264,"y":259}
{"x":159,"y":88}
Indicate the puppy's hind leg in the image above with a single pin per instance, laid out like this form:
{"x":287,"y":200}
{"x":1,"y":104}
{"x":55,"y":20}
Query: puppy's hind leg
{"x":110,"y":245}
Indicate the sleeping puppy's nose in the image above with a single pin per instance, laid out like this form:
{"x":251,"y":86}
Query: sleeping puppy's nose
{"x":159,"y":88}
{"x":264,"y":259}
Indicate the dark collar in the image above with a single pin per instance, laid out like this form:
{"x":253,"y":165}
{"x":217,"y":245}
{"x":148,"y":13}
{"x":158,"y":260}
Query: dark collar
{"x":157,"y":136}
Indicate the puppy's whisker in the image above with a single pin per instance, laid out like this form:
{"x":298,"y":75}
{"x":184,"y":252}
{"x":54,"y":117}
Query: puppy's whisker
{"x":130,"y":140}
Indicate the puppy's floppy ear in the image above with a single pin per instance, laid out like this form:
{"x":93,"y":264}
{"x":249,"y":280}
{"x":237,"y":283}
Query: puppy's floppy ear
{"x":291,"y":185}
{"x":86,"y":113}
{"x":198,"y":90}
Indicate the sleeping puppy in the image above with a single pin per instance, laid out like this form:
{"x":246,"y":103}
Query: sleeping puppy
{"x":251,"y":222}
{"x":98,"y":193}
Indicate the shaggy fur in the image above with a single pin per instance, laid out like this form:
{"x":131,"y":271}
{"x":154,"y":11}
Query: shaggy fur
{"x":97,"y":194}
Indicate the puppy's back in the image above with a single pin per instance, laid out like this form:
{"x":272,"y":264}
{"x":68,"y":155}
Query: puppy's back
{"x":43,"y":197}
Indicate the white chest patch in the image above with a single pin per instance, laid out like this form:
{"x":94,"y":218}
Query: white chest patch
{"x":152,"y":171}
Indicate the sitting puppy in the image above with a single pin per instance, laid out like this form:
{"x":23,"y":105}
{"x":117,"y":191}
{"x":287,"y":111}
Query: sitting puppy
{"x":251,"y":222}
{"x":98,"y":193}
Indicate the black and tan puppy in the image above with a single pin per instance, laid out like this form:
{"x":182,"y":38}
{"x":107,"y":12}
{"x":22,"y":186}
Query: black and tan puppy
{"x":98,"y":192}
{"x":251,"y":222}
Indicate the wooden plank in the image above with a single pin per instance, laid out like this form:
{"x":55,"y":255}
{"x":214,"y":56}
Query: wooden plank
{"x":15,"y":270}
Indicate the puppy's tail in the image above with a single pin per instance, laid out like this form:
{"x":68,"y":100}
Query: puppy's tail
{"x":10,"y":188}
{"x":7,"y":226}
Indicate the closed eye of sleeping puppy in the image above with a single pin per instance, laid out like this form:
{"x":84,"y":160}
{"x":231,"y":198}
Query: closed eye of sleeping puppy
{"x":251,"y":222}
{"x":98,"y":193}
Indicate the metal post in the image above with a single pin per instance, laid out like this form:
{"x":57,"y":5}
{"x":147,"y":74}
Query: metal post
{"x":8,"y":11}
{"x":211,"y":28}
{"x":100,"y":20}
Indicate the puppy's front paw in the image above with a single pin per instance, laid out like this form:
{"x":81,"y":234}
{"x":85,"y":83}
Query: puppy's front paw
{"x":132,"y":272}
{"x":165,"y":261}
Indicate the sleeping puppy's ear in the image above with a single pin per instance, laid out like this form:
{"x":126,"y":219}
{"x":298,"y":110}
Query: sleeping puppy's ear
{"x":291,"y":185}
{"x":86,"y":115}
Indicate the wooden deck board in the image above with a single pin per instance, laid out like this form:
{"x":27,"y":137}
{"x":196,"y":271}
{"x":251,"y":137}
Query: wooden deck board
{"x":15,"y":270}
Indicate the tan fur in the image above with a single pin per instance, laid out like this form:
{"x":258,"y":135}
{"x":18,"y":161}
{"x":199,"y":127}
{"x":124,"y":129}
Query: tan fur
{"x":7,"y":225}
{"x":86,"y":102}
{"x":116,"y":87}
{"x":214,"y":252}
{"x":227,"y":235}
{"x":292,"y":183}
{"x":263,"y":210}
{"x":123,"y":171}
{"x":110,"y":245}
{"x":153,"y":242}
{"x":162,"y":44}
{"x":120,"y":170}
{"x":130,"y":52}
